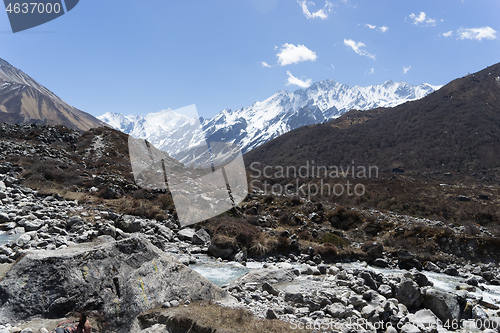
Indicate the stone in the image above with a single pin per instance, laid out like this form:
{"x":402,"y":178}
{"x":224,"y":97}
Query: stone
{"x":218,"y":252}
{"x":165,"y":232}
{"x":269,"y":275}
{"x":241,"y":257}
{"x":408,"y":261}
{"x":423,"y":318}
{"x":186,"y":234}
{"x":421,"y":279}
{"x":294,"y":297}
{"x":336,"y":310}
{"x":23,"y":240}
{"x":201,"y":237}
{"x":408,"y":293}
{"x":4,"y":217}
{"x":478,"y":313}
{"x":132,"y":274}
{"x":451,"y":270}
{"x":444,"y":305}
{"x":270,"y":314}
{"x":367,"y":311}
{"x":31,"y":225}
{"x":385,"y":290}
{"x":129,"y":224}
{"x":270,"y":289}
{"x":380,"y":262}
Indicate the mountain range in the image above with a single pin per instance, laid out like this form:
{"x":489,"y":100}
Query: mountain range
{"x":455,"y":129}
{"x":24,"y":100}
{"x":251,"y":126}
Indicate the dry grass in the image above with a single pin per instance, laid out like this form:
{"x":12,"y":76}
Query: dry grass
{"x":208,"y":317}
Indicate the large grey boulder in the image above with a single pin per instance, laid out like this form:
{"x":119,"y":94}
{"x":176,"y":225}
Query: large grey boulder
{"x":444,"y":305}
{"x":129,"y":223}
{"x":408,"y":293}
{"x":201,"y":237}
{"x":186,"y":234}
{"x":269,"y":275}
{"x":118,"y":279}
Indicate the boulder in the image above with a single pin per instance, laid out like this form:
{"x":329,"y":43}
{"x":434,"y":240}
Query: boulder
{"x":186,"y":234}
{"x":269,"y":275}
{"x":408,"y":293}
{"x":380,"y":262}
{"x":408,"y":261}
{"x":118,"y":279}
{"x":129,"y":223}
{"x":423,"y":319}
{"x":296,"y":298}
{"x":270,"y":289}
{"x":444,"y":305}
{"x":220,"y":252}
{"x":271,"y":314}
{"x":201,"y":237}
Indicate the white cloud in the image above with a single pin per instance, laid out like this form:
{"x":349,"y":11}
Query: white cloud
{"x":447,"y":34}
{"x":357,"y":47}
{"x":406,"y":69}
{"x":322,"y":13}
{"x":374,"y":27}
{"x":422,"y":19}
{"x":370,"y":72}
{"x":383,"y":28}
{"x":293,"y":81}
{"x":477,"y":33}
{"x":293,"y":54}
{"x":265,"y":64}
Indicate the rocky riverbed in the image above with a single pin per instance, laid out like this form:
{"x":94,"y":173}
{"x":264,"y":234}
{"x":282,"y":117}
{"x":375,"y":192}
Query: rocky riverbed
{"x":398,"y":294}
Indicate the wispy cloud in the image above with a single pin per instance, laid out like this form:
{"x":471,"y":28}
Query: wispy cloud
{"x":321,"y":13}
{"x":374,"y":27}
{"x":406,"y":69}
{"x":294,"y":81}
{"x":358,"y":48}
{"x":422,"y":20}
{"x":265,"y":64}
{"x":370,"y":71}
{"x":447,"y":34}
{"x":293,"y":54}
{"x":477,"y":33}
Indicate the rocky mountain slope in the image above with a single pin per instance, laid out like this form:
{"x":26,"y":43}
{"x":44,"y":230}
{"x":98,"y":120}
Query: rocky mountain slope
{"x":256,"y":124}
{"x":23,"y":100}
{"x":455,"y":129}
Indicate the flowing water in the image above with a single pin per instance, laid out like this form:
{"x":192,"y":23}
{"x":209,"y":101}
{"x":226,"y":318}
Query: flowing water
{"x":6,"y":239}
{"x":222,"y":273}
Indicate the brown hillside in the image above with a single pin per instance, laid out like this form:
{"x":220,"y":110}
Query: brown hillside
{"x":456,"y":128}
{"x":23,"y":100}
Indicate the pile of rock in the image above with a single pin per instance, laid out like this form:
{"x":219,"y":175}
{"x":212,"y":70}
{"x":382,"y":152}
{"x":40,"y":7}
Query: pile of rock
{"x":344,"y":299}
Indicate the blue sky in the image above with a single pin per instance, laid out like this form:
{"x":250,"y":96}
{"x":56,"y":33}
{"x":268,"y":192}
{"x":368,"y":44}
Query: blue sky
{"x":137,"y":57}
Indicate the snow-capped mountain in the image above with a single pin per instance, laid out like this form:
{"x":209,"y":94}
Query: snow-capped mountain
{"x":256,"y":124}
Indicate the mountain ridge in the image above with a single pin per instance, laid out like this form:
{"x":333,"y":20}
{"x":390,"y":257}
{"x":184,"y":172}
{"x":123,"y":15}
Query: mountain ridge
{"x":455,"y":129}
{"x":24,"y":100}
{"x":283,"y":111}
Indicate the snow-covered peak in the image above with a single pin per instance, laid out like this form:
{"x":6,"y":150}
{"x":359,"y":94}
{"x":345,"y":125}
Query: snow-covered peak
{"x":264,"y":120}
